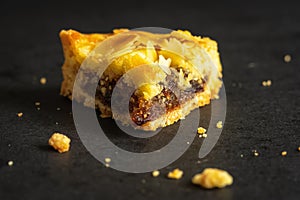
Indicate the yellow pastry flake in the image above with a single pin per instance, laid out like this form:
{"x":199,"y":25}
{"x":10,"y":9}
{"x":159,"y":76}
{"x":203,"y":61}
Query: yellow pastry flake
{"x":60,"y":142}
{"x":175,"y":174}
{"x":201,"y":130}
{"x":213,"y":178}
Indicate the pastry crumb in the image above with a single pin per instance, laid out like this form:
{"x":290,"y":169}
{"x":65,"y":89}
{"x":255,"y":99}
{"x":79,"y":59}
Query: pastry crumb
{"x":58,"y":109}
{"x":267,"y":83}
{"x":298,"y":148}
{"x":219,"y":124}
{"x":10,"y":163}
{"x":175,"y":174}
{"x":287,"y":58}
{"x":43,"y":80}
{"x":255,"y":153}
{"x":60,"y":142}
{"x":213,"y":178}
{"x":155,"y":173}
{"x":284,"y":153}
{"x":107,"y":160}
{"x":20,"y":114}
{"x":201,"y":130}
{"x":37,"y":103}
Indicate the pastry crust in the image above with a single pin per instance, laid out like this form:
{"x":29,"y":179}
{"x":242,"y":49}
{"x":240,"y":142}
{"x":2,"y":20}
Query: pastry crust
{"x":77,"y":47}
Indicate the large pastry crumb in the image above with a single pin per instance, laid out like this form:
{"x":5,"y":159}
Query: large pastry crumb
{"x":175,"y":174}
{"x":60,"y":142}
{"x":213,"y":178}
{"x":20,"y":114}
{"x":298,"y":148}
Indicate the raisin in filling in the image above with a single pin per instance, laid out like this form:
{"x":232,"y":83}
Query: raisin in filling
{"x":142,"y":110}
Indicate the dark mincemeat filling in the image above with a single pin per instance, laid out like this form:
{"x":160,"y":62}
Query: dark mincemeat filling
{"x":142,"y":110}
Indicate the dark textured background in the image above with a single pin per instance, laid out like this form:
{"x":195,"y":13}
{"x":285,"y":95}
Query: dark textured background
{"x":253,"y":37}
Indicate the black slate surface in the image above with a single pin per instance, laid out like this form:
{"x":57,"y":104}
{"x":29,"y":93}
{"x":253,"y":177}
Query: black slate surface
{"x":253,"y":37}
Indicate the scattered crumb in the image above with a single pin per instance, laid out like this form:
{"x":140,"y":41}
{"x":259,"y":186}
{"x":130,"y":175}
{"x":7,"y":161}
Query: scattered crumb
{"x":201,"y":130}
{"x":284,"y":153}
{"x":37,"y":103}
{"x":56,"y":123}
{"x":43,"y":80}
{"x":213,"y":178}
{"x":242,"y":155}
{"x":58,"y":109}
{"x":298,"y":148}
{"x":107,"y":160}
{"x":60,"y":142}
{"x":219,"y":124}
{"x":20,"y":114}
{"x":187,"y":142}
{"x":155,"y":173}
{"x":38,"y":108}
{"x":175,"y":174}
{"x":10,"y":163}
{"x":287,"y":58}
{"x":255,"y":153}
{"x":204,"y":135}
{"x":143,"y":181}
{"x":107,"y":165}
{"x":267,"y":83}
